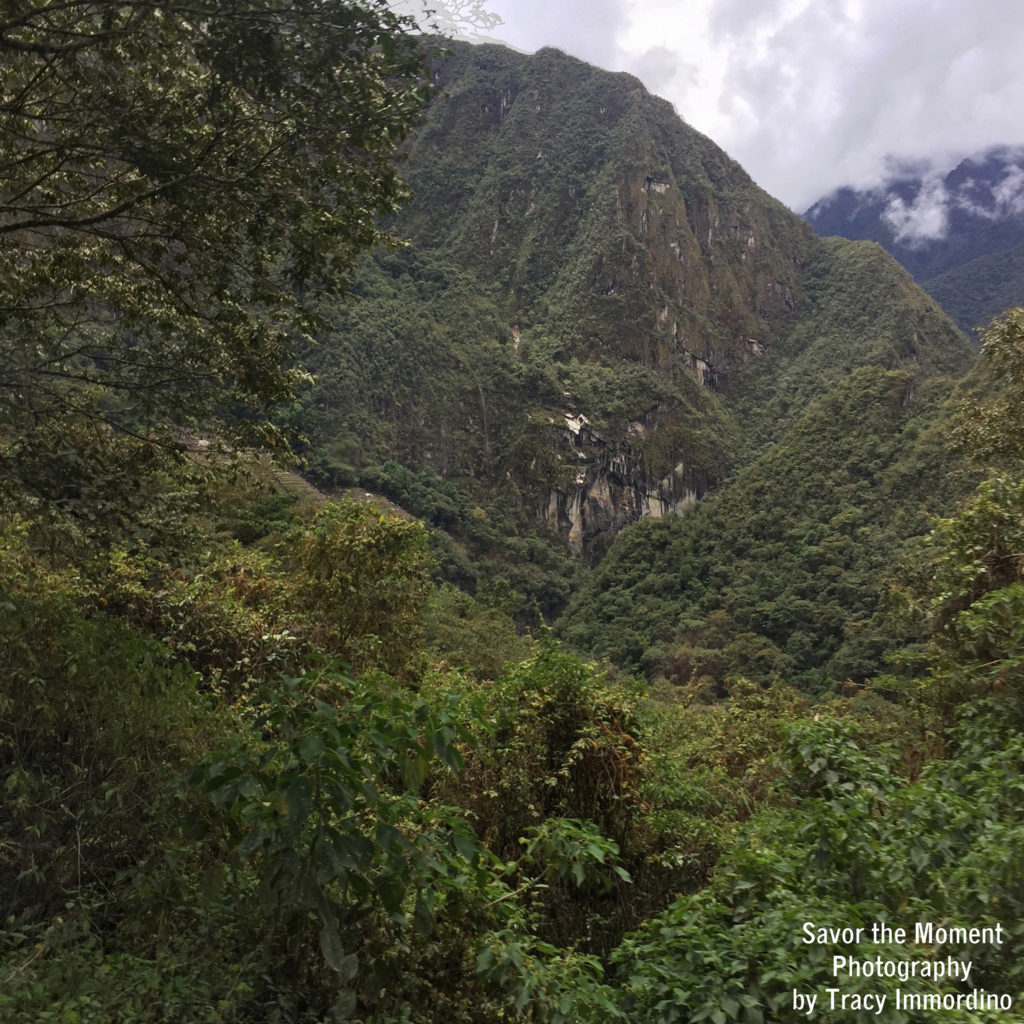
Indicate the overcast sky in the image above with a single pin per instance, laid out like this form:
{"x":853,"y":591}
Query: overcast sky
{"x":807,"y":94}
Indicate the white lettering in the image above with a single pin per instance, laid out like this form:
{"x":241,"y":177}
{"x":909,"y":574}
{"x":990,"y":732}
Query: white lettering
{"x":849,"y":936}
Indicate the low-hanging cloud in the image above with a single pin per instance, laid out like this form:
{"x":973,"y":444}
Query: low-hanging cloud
{"x":988,"y":186}
{"x":924,"y":219}
{"x":1008,"y":194}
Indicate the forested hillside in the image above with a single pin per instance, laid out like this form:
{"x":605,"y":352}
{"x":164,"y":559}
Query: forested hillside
{"x":600,"y":319}
{"x":781,"y":575}
{"x":279,"y":754}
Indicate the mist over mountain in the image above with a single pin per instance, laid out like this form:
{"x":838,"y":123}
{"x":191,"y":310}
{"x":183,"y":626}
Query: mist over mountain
{"x":960,"y":232}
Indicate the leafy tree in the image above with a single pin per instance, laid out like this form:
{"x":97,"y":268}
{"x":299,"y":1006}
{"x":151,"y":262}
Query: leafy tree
{"x":313,"y":810}
{"x":971,"y":593}
{"x":860,"y":844}
{"x":172,"y":174}
{"x":468,"y":19}
{"x":991,"y":429}
{"x":363,"y":577}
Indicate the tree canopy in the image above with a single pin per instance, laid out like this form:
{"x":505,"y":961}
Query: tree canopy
{"x":172,"y":175}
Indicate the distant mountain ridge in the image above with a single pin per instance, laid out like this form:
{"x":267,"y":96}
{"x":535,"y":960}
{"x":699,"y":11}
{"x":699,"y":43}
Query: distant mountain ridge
{"x":959,"y":232}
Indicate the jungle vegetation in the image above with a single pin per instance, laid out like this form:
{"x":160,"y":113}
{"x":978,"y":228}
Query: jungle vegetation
{"x":277,"y":754}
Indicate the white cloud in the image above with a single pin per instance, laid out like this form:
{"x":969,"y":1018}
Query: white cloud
{"x":588,"y":29}
{"x":1008,"y":194}
{"x":807,"y":94}
{"x":924,"y":219}
{"x":993,"y":192}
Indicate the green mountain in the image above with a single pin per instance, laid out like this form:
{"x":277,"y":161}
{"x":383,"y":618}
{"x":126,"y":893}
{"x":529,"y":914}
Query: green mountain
{"x":779,"y":575}
{"x":982,"y":288}
{"x":598,"y":318}
{"x":267,"y":757}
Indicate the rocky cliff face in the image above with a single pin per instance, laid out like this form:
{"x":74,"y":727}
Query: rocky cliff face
{"x":612,"y":488}
{"x":600,"y":216}
{"x":614,"y":237}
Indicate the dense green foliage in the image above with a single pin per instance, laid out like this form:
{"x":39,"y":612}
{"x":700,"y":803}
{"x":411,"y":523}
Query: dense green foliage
{"x":862,"y":845}
{"x":597,"y":315}
{"x":209,"y":817}
{"x":272,"y":756}
{"x":174,"y":176}
{"x":862,"y":311}
{"x":867,"y":841}
{"x":779,"y":576}
{"x":971,"y":292}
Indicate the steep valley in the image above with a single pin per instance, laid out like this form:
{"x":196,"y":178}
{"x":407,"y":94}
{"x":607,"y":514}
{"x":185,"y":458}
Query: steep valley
{"x":596,"y":319}
{"x":648,"y":599}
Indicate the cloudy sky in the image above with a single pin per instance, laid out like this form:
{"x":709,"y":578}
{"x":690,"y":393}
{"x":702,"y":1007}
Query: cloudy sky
{"x":807,"y":94}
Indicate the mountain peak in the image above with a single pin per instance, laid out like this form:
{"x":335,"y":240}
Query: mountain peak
{"x":920,"y":204}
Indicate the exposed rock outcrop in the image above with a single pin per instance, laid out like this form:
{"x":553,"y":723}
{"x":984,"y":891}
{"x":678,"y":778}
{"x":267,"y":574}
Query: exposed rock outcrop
{"x":612,"y":487}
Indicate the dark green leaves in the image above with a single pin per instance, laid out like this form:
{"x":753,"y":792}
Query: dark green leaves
{"x":168,"y":183}
{"x":323,"y":806}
